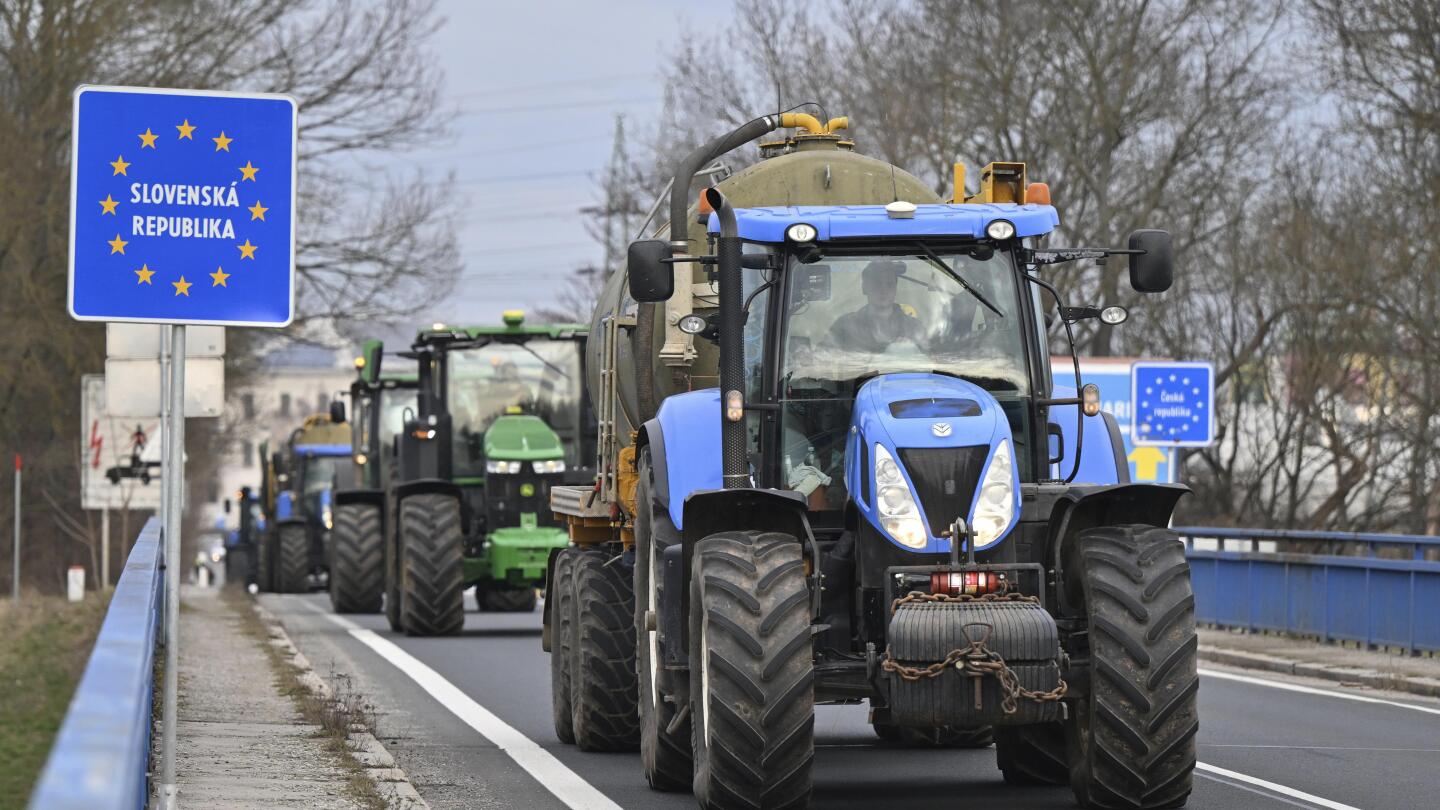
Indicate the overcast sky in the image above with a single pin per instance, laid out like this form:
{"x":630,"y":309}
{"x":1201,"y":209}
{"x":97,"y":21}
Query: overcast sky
{"x":538,"y":85}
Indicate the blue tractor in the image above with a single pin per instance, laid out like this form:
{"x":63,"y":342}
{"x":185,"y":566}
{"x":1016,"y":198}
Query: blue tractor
{"x":888,"y":498}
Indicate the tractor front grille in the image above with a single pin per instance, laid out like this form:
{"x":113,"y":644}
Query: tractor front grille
{"x":945,"y":479}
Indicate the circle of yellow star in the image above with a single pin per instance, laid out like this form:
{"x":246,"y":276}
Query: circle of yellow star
{"x":147,"y":138}
{"x":186,"y":130}
{"x":247,"y":250}
{"x":107,"y":205}
{"x":222,"y":142}
{"x":182,"y":287}
{"x":145,"y":273}
{"x":257,"y":211}
{"x":247,"y":172}
{"x":120,"y":165}
{"x":117,"y":245}
{"x":220,"y":275}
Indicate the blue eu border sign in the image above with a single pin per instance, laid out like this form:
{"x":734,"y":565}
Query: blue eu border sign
{"x":1173,"y":404}
{"x":182,"y":207}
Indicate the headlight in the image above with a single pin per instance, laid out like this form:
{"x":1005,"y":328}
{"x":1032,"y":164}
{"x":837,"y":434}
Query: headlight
{"x":554,"y":465}
{"x":502,"y":467}
{"x":1000,"y":229}
{"x":996,"y":505}
{"x":899,"y":516}
{"x":801,"y":232}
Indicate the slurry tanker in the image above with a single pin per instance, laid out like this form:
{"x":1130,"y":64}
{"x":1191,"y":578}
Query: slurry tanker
{"x":834,"y":467}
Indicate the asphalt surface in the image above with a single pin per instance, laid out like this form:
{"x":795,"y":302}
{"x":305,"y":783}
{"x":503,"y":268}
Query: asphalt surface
{"x":1260,"y":746}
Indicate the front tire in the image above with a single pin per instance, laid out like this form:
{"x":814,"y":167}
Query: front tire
{"x":602,"y":675}
{"x":293,"y":563}
{"x":664,"y":755}
{"x":1133,"y":734}
{"x":751,"y":673}
{"x":1032,"y":755}
{"x":357,"y":566}
{"x":432,"y":602}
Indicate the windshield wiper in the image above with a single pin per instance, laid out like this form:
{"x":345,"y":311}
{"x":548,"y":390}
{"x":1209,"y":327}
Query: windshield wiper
{"x":940,"y":263}
{"x":547,"y":363}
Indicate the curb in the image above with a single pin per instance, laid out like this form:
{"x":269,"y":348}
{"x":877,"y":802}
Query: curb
{"x":365,"y":749}
{"x":1374,"y":679}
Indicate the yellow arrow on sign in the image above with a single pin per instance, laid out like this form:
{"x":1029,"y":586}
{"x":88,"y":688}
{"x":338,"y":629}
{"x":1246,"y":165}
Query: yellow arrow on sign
{"x":1147,"y":462}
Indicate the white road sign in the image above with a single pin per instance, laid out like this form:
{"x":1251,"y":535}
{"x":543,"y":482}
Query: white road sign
{"x":120,"y":457}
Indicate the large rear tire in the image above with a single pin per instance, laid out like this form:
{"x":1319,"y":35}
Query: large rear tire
{"x":432,"y":602}
{"x":1032,"y":755}
{"x":293,"y":559}
{"x":357,"y":562}
{"x":1133,"y":734}
{"x":751,"y":673}
{"x":560,"y":601}
{"x":602,"y":676}
{"x":664,"y":755}
{"x":505,"y":600}
{"x":392,"y":585}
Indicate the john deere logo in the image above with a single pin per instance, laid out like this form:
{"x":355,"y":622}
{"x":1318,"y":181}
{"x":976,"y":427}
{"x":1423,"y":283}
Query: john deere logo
{"x":941,"y":429}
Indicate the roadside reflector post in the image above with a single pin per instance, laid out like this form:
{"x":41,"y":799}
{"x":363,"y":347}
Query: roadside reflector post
{"x":75,"y":583}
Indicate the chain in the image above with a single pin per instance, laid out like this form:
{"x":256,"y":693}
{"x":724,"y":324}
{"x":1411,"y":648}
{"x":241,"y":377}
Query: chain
{"x":975,"y":660}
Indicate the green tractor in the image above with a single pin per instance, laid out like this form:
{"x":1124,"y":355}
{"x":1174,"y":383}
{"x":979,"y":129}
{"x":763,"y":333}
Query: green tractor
{"x":379,"y":407}
{"x":297,"y":494}
{"x":501,"y":417}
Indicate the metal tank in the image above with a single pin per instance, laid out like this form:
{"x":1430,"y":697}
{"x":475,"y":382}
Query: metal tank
{"x":813,"y":165}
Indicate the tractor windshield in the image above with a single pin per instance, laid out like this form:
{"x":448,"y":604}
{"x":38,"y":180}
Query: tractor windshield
{"x":854,"y":316}
{"x":539,"y":377}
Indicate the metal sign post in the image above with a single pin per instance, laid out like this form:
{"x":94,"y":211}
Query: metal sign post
{"x":182,"y":211}
{"x":174,"y":475}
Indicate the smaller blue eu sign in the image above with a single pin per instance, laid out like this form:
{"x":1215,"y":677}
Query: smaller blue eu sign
{"x":1173,"y":404}
{"x":182,"y":207}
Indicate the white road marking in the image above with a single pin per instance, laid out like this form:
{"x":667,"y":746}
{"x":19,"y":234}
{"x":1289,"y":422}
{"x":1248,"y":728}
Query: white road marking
{"x":1310,"y":690}
{"x":552,"y":774}
{"x":1273,"y":787}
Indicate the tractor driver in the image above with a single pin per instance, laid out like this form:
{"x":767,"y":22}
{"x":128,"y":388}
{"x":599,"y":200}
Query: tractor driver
{"x":880,"y":322}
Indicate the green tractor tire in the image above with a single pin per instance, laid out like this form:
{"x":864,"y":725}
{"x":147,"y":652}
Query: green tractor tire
{"x":357,"y":559}
{"x":505,"y":600}
{"x":432,"y":601}
{"x":292,"y":559}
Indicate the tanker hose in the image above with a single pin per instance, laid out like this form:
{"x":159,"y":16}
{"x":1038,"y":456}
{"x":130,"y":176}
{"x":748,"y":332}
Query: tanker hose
{"x":644,"y":345}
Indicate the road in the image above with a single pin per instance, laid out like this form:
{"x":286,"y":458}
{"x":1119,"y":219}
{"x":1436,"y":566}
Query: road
{"x":468,"y":718}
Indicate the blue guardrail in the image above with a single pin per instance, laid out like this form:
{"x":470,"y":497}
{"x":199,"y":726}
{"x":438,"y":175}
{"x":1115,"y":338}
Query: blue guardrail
{"x":1392,"y":600}
{"x":102,"y":752}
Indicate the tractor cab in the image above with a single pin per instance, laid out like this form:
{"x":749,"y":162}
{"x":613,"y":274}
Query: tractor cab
{"x":380,"y":405}
{"x":298,"y":500}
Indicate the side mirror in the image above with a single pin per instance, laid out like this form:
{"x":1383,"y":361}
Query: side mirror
{"x":1056,"y":440}
{"x":814,"y":282}
{"x":337,"y":412}
{"x":227,"y":506}
{"x":651,"y":279}
{"x":1154,"y":270}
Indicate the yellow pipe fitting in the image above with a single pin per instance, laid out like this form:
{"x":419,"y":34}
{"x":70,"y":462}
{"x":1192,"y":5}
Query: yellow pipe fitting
{"x":837,"y":124}
{"x":804,"y":121}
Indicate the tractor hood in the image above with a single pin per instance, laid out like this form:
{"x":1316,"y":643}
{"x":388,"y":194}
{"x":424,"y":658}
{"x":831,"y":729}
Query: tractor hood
{"x":943,"y":433}
{"x":521,"y":438}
